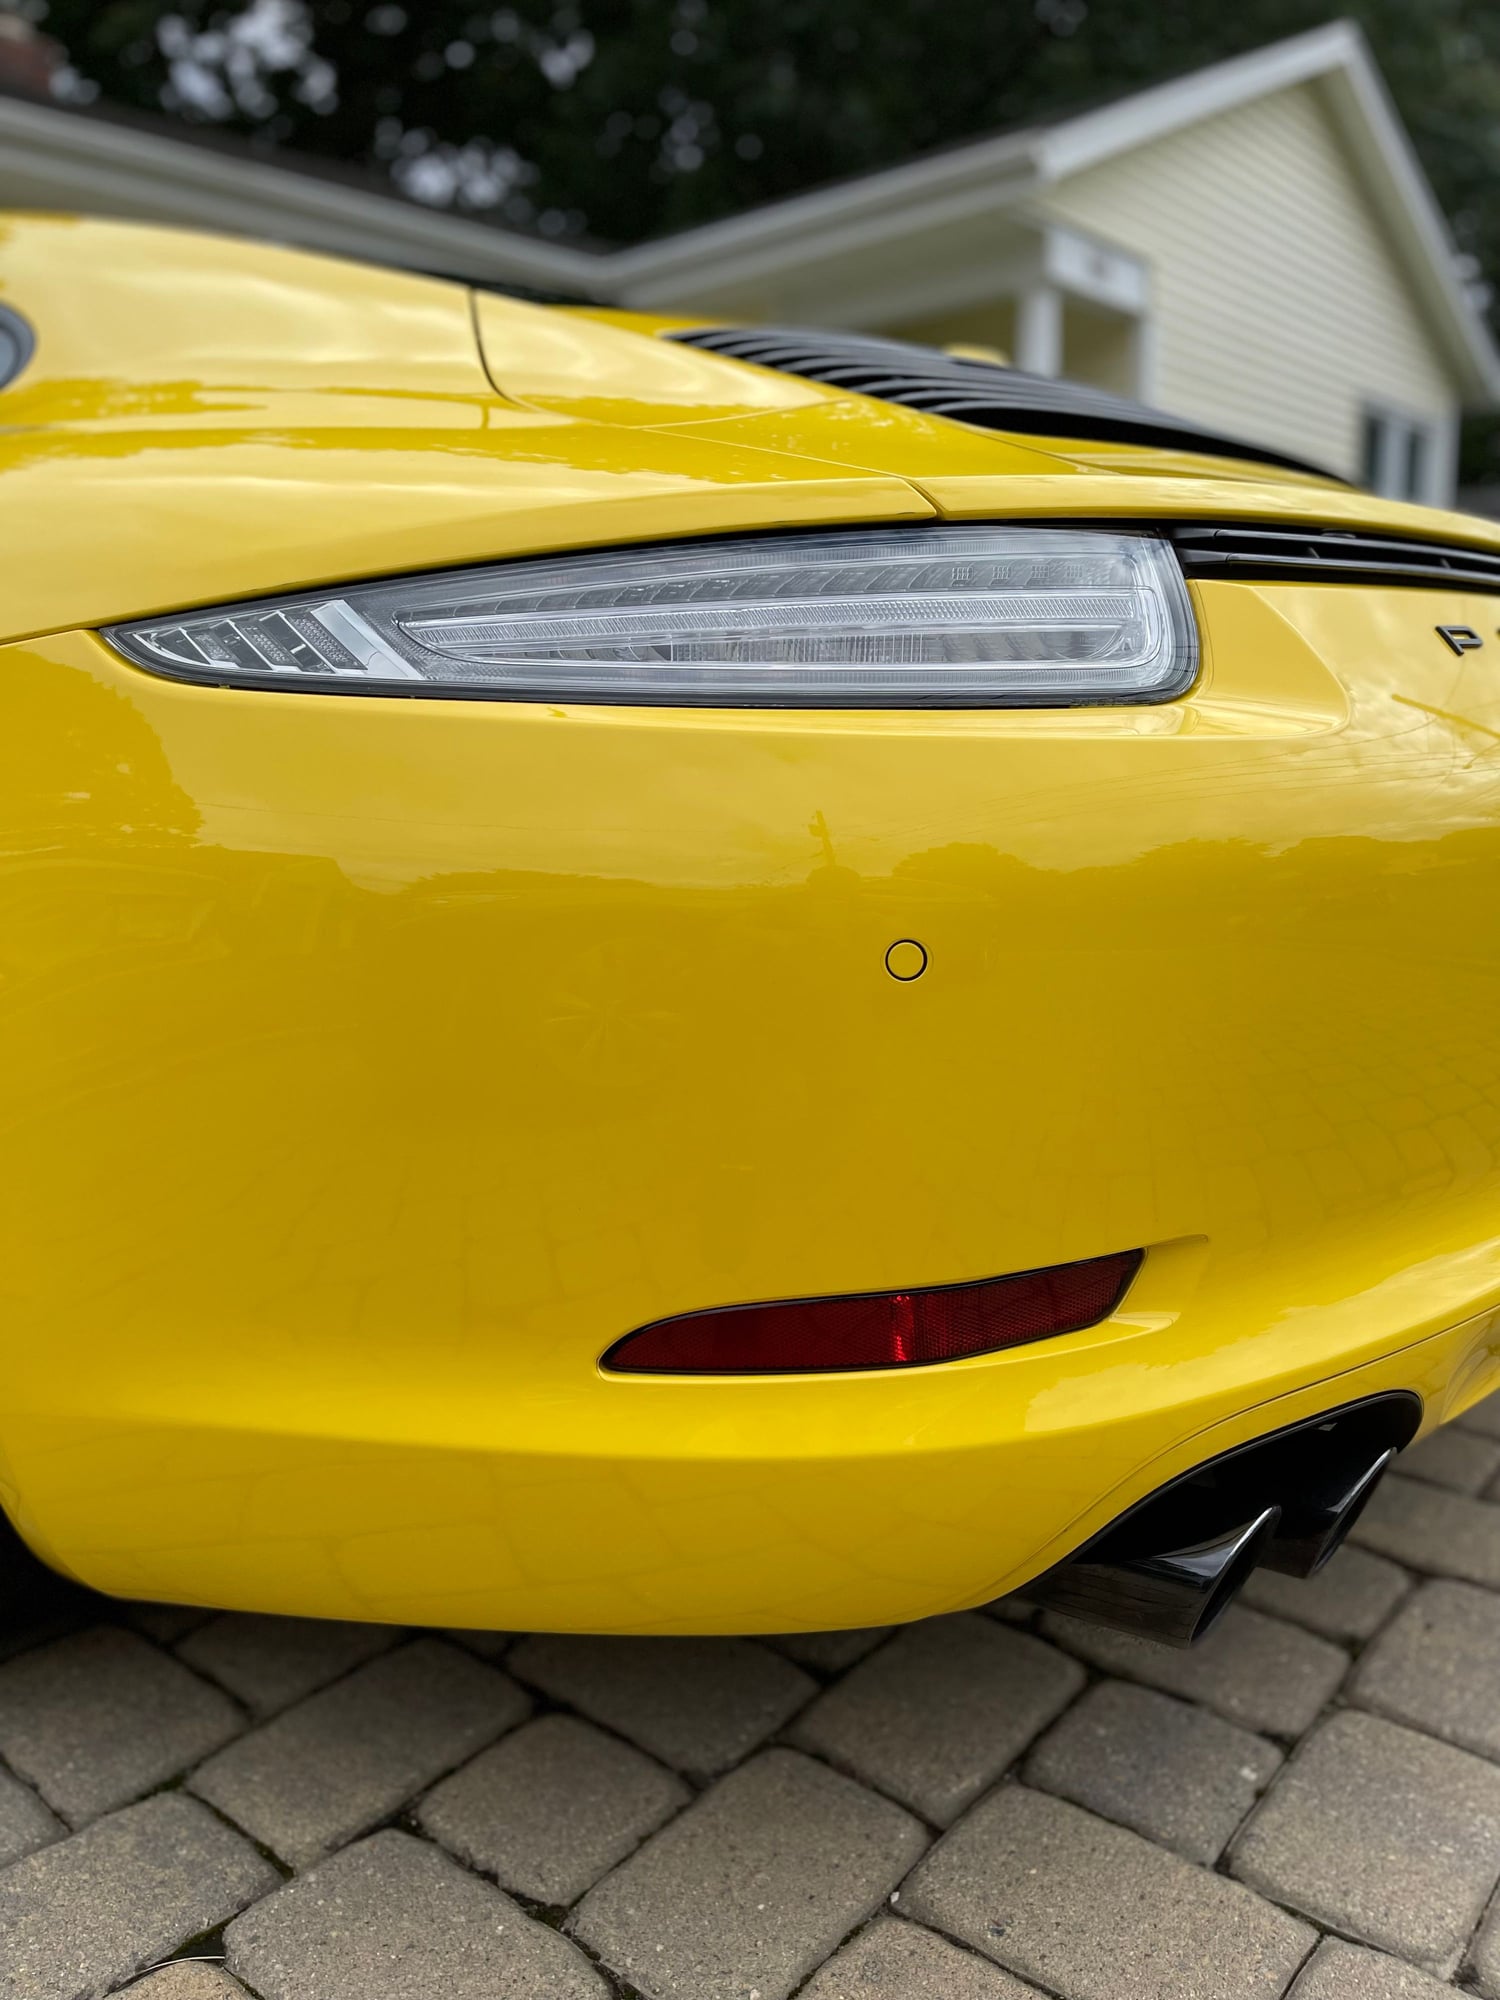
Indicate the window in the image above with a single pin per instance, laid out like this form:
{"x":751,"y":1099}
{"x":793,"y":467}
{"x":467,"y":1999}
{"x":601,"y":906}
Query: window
{"x":1398,"y":454}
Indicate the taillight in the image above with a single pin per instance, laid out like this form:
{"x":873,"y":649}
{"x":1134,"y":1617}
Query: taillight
{"x":941,"y":614}
{"x":881,"y":1329}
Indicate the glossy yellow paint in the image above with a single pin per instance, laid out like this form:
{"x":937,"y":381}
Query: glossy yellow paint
{"x":212,"y":419}
{"x":372,"y":1065}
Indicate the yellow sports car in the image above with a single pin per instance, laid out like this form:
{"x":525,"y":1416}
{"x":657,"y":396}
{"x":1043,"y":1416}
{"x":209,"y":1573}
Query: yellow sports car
{"x":662,"y":978}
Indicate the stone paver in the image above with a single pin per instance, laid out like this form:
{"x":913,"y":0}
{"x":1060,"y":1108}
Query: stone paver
{"x":1483,"y":1417}
{"x":1437,"y":1667}
{"x":84,"y":1915}
{"x":488,"y":1645}
{"x":188,"y":1980}
{"x":165,"y":1623}
{"x":549,"y":1808}
{"x":1254,"y":1670}
{"x":1448,"y":1534}
{"x":394,"y":1919}
{"x":892,"y":1960}
{"x":698,"y":1704}
{"x":936,"y":1715}
{"x":16,"y":1639}
{"x":1484,"y":1955}
{"x":1011,"y":1611}
{"x":1458,"y":1459}
{"x":1094,"y":1912}
{"x":1177,"y":1774}
{"x":96,"y":1719}
{"x":272,"y":1662}
{"x":753,"y":1886}
{"x":1339,"y":1970}
{"x":344,"y":1758}
{"x":1381,"y":1833}
{"x":25,"y":1823}
{"x":829,"y":1652}
{"x":1349,"y":1599}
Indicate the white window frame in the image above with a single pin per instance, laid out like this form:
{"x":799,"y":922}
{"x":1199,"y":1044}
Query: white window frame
{"x":1397,"y":430}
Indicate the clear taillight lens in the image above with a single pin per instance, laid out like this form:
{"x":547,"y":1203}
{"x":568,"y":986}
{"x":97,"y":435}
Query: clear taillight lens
{"x":953,"y":617}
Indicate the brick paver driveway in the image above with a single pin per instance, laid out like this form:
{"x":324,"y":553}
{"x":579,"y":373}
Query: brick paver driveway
{"x":978,"y":1808}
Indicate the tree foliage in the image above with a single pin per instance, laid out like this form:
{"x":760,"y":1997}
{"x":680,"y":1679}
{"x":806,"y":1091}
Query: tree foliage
{"x":621,"y":119}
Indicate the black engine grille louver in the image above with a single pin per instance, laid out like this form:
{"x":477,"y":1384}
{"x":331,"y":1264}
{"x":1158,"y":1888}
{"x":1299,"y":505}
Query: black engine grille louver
{"x":1331,"y":555}
{"x":974,"y":392}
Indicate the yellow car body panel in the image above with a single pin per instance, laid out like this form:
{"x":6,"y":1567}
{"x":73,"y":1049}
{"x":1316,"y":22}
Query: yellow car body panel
{"x":372,"y":1065}
{"x":212,"y":419}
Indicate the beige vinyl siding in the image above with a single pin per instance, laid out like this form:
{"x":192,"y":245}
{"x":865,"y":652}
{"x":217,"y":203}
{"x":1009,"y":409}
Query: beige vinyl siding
{"x":1278,"y":307}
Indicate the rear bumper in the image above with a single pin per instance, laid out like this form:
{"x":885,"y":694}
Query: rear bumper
{"x":721,"y":1508}
{"x":371,"y":1066}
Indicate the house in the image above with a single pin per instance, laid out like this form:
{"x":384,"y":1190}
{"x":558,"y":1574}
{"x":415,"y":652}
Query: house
{"x":1253,"y":246}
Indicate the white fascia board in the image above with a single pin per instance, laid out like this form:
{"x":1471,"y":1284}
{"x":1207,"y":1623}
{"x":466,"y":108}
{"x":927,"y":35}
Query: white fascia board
{"x":1073,"y":144}
{"x":878,"y":210}
{"x":853,"y":267}
{"x":873,"y":291}
{"x":60,"y":159}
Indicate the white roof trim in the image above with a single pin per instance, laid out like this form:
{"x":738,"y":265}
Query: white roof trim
{"x":1073,"y":144}
{"x":60,"y":159}
{"x":944,"y":188}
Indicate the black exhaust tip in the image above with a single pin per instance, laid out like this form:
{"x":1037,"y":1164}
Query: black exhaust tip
{"x":1169,"y":1567}
{"x":1318,"y":1519}
{"x":1320,"y":1473}
{"x":1172,"y":1595}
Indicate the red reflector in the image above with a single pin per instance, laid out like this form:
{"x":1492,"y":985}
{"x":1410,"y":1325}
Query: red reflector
{"x":881,"y":1329}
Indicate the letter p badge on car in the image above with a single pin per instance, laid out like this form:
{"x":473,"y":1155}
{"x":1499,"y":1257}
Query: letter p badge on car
{"x":1462,"y":638}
